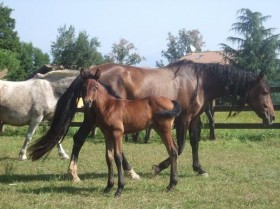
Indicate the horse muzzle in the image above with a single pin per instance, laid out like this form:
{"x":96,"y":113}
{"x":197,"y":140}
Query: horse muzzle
{"x":268,"y":119}
{"x":87,"y":103}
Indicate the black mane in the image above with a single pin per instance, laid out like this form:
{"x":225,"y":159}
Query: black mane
{"x":110,"y":90}
{"x":237,"y":81}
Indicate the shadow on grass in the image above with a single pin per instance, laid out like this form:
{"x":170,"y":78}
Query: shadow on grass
{"x":84,"y":191}
{"x":252,"y":138}
{"x":10,"y":178}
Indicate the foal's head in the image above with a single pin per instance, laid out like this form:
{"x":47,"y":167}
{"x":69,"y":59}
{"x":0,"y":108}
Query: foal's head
{"x":90,"y":86}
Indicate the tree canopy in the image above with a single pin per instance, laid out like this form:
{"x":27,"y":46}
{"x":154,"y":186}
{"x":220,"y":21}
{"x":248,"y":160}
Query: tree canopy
{"x":179,"y":46}
{"x":257,"y":46}
{"x":75,"y":52}
{"x":17,"y":57}
{"x":125,"y":53}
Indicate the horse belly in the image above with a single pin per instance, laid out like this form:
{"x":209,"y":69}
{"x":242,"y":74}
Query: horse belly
{"x":136,"y":124}
{"x":14,"y":117}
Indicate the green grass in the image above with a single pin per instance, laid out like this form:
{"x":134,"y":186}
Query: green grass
{"x":243,"y":168}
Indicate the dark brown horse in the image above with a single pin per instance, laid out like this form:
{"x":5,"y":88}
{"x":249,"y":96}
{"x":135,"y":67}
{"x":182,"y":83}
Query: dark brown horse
{"x":191,"y":84}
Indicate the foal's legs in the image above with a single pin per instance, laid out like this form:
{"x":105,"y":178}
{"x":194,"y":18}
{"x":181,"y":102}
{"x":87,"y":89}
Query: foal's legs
{"x":126,"y":166}
{"x":79,"y":139}
{"x":109,"y":160}
{"x":119,"y":161}
{"x":181,"y":132}
{"x":194,"y":140}
{"x":171,"y":147}
{"x":114,"y":148}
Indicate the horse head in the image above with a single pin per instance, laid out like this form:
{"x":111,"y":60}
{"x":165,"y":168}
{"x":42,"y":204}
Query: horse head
{"x":259,"y":99}
{"x":90,"y":86}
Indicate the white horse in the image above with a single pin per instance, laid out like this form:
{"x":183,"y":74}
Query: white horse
{"x":32,"y":101}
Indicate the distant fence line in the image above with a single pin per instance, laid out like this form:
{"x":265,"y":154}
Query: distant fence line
{"x":223,"y":108}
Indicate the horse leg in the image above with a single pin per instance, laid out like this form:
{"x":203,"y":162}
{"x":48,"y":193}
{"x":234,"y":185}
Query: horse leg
{"x":171,"y":147}
{"x":209,"y":111}
{"x":93,"y":131}
{"x":194,"y":130}
{"x":181,"y":132}
{"x":147,"y":134}
{"x":2,"y":127}
{"x":135,"y":136}
{"x":118,"y":162}
{"x":61,"y":152}
{"x":30,"y":132}
{"x":109,"y":160}
{"x":79,"y":139}
{"x":128,"y":169}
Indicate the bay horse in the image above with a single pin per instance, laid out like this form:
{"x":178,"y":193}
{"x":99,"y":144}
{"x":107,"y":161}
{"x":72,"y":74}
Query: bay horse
{"x":116,"y":117}
{"x":191,"y":84}
{"x":32,"y":101}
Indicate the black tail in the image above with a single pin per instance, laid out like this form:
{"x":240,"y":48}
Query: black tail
{"x":177,"y":109}
{"x":64,"y":113}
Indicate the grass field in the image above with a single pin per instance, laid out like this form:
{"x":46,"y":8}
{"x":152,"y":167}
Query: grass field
{"x":243,"y":168}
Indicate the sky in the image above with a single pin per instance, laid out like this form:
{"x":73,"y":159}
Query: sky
{"x":145,"y":23}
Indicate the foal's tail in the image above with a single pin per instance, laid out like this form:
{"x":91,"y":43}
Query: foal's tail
{"x":177,"y":109}
{"x":64,"y":113}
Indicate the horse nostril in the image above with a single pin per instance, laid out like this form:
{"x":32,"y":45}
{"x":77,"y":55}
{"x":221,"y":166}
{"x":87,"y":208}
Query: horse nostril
{"x":272,"y":117}
{"x":87,"y":103}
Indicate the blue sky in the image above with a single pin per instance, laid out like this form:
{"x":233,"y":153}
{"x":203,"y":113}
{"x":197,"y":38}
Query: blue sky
{"x":145,"y":23}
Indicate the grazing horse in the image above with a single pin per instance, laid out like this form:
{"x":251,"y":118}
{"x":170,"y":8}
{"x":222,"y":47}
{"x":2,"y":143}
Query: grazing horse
{"x":32,"y":101}
{"x":191,"y":84}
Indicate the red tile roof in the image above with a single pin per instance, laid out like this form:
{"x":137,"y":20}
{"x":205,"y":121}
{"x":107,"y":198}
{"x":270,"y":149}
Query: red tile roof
{"x":206,"y":57}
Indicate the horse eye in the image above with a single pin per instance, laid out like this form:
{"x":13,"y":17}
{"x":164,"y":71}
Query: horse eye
{"x":265,"y":92}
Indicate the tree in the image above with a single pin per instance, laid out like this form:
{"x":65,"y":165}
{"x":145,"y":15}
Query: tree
{"x":8,"y":36}
{"x":31,"y":58}
{"x":122,"y":53}
{"x":179,"y":46}
{"x":86,"y":51}
{"x":75,"y":52}
{"x":257,"y":46}
{"x":8,"y":60}
{"x":17,"y":57}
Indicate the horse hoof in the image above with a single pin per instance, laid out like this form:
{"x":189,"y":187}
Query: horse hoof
{"x":118,"y":195}
{"x":204,"y":175}
{"x":23,"y":157}
{"x":155,"y":170}
{"x":106,"y":190}
{"x":64,"y":156}
{"x":133,"y":175}
{"x":76,"y":180}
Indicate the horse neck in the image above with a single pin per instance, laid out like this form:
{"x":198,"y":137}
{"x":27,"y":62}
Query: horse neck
{"x":61,"y":85}
{"x":224,"y":80}
{"x":103,"y":98}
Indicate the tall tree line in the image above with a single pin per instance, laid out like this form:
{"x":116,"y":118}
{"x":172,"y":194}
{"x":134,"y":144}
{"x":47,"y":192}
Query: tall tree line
{"x":257,"y":48}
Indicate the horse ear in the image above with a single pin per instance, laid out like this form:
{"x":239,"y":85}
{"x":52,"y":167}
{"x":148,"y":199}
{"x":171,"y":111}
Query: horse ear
{"x":97,"y":74}
{"x":260,"y":76}
{"x":82,"y":73}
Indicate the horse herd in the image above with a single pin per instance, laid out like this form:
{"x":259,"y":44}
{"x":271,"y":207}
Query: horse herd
{"x":123,"y":99}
